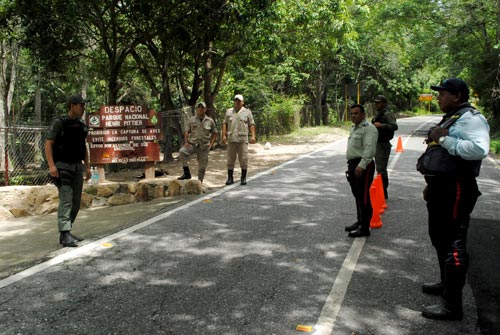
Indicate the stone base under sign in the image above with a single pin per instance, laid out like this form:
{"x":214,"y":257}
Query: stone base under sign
{"x":41,"y":200}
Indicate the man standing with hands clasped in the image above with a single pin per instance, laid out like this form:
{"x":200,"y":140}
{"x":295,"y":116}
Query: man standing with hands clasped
{"x":237,"y":121}
{"x":199,"y":137}
{"x":452,"y":194}
{"x":385,"y":121}
{"x":66,"y":150}
{"x":361,"y":148}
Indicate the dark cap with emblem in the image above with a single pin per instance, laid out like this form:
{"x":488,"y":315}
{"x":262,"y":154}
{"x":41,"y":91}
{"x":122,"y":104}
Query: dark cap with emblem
{"x":454,"y":86}
{"x":380,"y":98}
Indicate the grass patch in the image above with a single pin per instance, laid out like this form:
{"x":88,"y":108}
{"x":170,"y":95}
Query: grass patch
{"x":305,"y":133}
{"x":495,"y":146}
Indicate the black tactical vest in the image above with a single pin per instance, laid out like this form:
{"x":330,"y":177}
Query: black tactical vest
{"x":384,"y":135}
{"x":69,"y":144}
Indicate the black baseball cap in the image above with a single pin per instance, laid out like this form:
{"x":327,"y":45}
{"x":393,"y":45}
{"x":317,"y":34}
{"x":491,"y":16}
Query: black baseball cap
{"x":454,"y":86}
{"x":76,"y":99}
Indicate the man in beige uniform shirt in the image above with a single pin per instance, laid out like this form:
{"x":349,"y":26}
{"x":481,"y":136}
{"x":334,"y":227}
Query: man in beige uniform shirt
{"x":361,"y":148}
{"x":199,"y":137}
{"x":237,"y":121}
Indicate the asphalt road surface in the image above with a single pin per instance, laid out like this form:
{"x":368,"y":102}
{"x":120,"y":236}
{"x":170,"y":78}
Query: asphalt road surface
{"x":270,"y":257}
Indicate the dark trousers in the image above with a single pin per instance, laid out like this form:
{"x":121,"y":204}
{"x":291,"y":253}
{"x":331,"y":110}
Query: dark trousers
{"x":360,"y":187}
{"x":381,"y":162}
{"x":450,"y":201}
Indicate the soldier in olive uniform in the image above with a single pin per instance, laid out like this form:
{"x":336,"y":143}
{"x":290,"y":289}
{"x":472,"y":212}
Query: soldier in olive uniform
{"x":237,"y":121}
{"x":361,"y":148}
{"x":385,"y":121}
{"x":199,"y":137}
{"x":66,"y":149}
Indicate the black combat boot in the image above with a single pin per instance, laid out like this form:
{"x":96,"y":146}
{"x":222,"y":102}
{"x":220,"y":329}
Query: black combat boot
{"x":186,"y":175}
{"x":243,"y":177}
{"x":67,"y":240}
{"x":230,"y":179}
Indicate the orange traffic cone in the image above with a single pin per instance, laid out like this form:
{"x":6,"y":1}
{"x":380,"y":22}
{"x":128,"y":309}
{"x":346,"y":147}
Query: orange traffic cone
{"x":380,"y":188}
{"x":375,"y":221}
{"x":399,"y":147}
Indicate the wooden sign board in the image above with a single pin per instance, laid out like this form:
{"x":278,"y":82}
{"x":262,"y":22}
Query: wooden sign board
{"x":124,"y":134}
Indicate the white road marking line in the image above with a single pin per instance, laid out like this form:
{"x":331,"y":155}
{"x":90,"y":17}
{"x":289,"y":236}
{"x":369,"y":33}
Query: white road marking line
{"x":333,"y":302}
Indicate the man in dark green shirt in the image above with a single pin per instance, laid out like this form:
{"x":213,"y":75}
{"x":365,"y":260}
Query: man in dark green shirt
{"x":66,"y":151}
{"x":385,"y":121}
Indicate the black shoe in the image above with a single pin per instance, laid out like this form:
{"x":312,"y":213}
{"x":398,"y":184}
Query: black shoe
{"x":243,"y":181}
{"x":434,"y":288}
{"x":442,"y":312}
{"x":67,"y":240}
{"x":360,"y":232}
{"x":352,"y":227}
{"x":77,"y":238}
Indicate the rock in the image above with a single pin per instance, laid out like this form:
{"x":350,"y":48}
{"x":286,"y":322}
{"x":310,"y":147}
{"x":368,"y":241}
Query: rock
{"x":132,"y":187}
{"x":157,"y":190}
{"x":174,"y":188}
{"x":191,"y":187}
{"x":99,"y":202}
{"x":107,"y":190}
{"x":40,"y":195}
{"x":5,"y":213}
{"x":92,"y":190}
{"x":86,"y":201}
{"x":142,"y":193}
{"x":50,"y":206}
{"x":121,"y":199}
{"x":19,"y":212}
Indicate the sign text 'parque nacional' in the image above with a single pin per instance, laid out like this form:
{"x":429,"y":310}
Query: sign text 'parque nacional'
{"x":123,"y":134}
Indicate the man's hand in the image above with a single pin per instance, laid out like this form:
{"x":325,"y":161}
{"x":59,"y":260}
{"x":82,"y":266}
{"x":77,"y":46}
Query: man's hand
{"x":359,"y":171}
{"x":377,"y":124}
{"x":437,"y":132}
{"x":53,"y":171}
{"x":224,"y":139}
{"x":88,"y":172}
{"x":252,"y":140}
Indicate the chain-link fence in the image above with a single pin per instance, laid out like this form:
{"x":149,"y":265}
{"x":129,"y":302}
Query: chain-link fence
{"x":22,"y":160}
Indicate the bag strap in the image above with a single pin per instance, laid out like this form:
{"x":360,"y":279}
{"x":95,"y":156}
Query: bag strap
{"x":449,"y":122}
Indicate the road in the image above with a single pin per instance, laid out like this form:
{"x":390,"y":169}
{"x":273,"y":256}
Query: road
{"x":265,"y":259}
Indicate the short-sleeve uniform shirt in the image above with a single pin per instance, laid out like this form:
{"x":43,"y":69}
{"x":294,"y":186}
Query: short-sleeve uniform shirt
{"x":238,"y":124}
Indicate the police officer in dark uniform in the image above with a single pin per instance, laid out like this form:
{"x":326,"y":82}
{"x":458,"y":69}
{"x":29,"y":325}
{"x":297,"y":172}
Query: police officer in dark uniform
{"x":452,"y":194}
{"x":385,"y":121}
{"x":361,"y":147}
{"x":66,"y":150}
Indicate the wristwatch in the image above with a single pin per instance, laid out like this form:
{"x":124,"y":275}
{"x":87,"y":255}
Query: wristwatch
{"x":441,"y":139}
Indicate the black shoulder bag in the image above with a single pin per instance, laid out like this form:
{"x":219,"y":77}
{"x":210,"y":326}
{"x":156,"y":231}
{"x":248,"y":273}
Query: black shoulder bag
{"x":436,"y":160}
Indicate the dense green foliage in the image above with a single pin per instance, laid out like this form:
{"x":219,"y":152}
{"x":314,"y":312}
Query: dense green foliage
{"x":293,"y":60}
